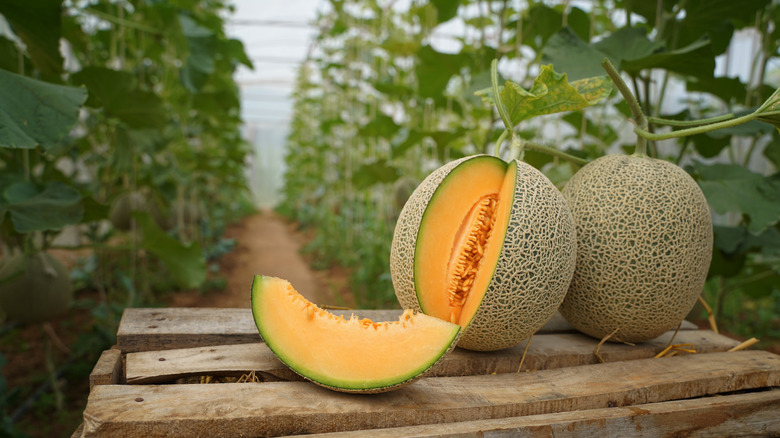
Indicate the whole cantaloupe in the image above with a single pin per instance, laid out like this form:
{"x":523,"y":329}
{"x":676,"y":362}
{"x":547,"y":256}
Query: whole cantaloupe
{"x":488,"y":245}
{"x":644,"y":235}
{"x":34,"y":287}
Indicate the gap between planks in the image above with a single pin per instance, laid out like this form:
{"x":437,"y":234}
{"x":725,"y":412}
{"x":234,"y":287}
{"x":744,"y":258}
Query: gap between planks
{"x":545,"y":352}
{"x":284,"y":408}
{"x":150,"y":329}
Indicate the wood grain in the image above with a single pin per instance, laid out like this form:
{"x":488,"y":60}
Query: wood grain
{"x":749,"y":414}
{"x":284,"y":408}
{"x":151,"y":329}
{"x":107,"y":370}
{"x":545,"y":352}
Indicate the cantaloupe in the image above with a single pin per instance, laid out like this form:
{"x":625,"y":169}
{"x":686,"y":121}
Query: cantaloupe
{"x":644,"y":246}
{"x":348,"y":355}
{"x":34,"y":287}
{"x":487,"y":245}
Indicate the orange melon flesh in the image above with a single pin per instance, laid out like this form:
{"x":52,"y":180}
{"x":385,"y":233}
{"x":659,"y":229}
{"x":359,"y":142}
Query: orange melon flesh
{"x":350,"y":355}
{"x":448,"y":232}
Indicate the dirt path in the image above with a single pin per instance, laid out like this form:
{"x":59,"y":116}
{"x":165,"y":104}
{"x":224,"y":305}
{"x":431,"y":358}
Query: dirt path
{"x":265,"y":244}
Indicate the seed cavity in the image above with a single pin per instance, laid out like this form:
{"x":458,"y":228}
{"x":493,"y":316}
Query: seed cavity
{"x":470,"y":251}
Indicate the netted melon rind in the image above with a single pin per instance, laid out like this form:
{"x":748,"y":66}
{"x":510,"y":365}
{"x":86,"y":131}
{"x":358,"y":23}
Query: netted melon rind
{"x":644,"y":247}
{"x":405,"y":235}
{"x":534,"y":270}
{"x":34,"y":287}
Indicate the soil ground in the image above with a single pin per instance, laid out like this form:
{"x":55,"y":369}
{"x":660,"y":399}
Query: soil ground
{"x":269,"y":245}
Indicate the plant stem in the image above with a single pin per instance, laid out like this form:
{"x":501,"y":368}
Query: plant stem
{"x":517,"y":147}
{"x":642,"y":132}
{"x":555,"y":152}
{"x":690,"y":123}
{"x":683,"y":148}
{"x":499,"y":142}
{"x":633,"y":105}
{"x":753,"y":141}
{"x":497,"y":97}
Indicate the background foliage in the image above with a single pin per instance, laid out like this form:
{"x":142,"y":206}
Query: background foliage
{"x":119,"y":122}
{"x":382,"y":102}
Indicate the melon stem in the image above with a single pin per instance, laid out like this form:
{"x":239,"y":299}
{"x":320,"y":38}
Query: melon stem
{"x":518,"y":145}
{"x":636,"y":110}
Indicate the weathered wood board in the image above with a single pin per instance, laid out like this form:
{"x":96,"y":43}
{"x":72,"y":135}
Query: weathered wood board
{"x":107,"y":370}
{"x":746,"y":414}
{"x":283,"y":408}
{"x":561,"y":391}
{"x":545,"y":352}
{"x":146,"y":329}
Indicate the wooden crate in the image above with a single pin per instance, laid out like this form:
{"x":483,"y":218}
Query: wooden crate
{"x":139,"y":388}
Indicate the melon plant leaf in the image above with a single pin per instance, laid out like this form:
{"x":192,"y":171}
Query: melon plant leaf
{"x":36,"y":113}
{"x":695,"y":59}
{"x":728,"y":89}
{"x":434,"y":70}
{"x":50,"y":208}
{"x":117,"y":93}
{"x":573,"y":56}
{"x":551,"y":93}
{"x":762,"y":281}
{"x":772,"y":151}
{"x":715,"y":19}
{"x":629,"y":50}
{"x":374,"y":173}
{"x":9,"y":56}
{"x":38,"y":24}
{"x":627,"y":44}
{"x":380,"y":126}
{"x":186,"y":263}
{"x":541,"y":22}
{"x":446,"y":9}
{"x":202,"y":45}
{"x":733,"y":188}
{"x":235,"y":49}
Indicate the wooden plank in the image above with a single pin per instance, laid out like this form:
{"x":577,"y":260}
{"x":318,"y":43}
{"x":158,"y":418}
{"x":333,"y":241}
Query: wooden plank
{"x":545,"y":352}
{"x":150,"y":329}
{"x":284,"y":408}
{"x":749,"y":414}
{"x":107,"y":370}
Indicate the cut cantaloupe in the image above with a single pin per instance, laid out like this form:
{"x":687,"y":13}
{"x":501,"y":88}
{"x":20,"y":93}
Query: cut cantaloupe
{"x":348,"y":355}
{"x":487,"y":245}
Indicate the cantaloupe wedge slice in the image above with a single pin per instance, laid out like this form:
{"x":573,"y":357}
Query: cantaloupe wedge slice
{"x":348,"y":355}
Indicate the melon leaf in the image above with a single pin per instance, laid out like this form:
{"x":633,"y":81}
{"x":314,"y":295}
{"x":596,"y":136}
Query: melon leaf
{"x":39,"y":25}
{"x":202,"y":45}
{"x":186,"y":263}
{"x":733,"y":188}
{"x":570,"y":54}
{"x":119,"y":95}
{"x":551,"y":93}
{"x":36,"y":113}
{"x":38,"y":209}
